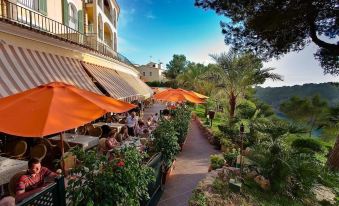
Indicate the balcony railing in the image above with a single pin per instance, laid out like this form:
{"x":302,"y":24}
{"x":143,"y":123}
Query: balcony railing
{"x":32,"y":4}
{"x":24,"y":17}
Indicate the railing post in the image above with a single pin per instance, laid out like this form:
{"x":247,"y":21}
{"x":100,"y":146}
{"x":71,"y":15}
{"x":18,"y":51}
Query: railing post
{"x":60,"y":191}
{"x":30,"y":19}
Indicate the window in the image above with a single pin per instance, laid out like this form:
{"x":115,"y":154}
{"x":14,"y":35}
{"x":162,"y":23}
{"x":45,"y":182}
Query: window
{"x":150,"y":73}
{"x":73,"y":16}
{"x":143,"y":73}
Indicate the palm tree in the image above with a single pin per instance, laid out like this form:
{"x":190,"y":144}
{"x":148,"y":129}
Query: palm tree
{"x":235,"y":73}
{"x":190,"y":79}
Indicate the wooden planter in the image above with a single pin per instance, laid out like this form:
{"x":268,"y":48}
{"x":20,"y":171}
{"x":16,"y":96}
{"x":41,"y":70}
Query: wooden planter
{"x":168,"y":172}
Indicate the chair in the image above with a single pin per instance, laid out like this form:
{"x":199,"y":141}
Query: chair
{"x":68,"y":163}
{"x":105,"y":130}
{"x":81,"y":130}
{"x":39,"y":151}
{"x":13,"y":182}
{"x":19,"y":151}
{"x":95,"y":132}
{"x":67,"y":147}
{"x":89,"y":127}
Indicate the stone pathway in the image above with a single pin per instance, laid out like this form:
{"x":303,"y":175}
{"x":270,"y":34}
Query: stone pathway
{"x":191,"y":166}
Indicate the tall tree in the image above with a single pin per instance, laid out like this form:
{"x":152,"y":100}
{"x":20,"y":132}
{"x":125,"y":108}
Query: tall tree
{"x":176,"y":66}
{"x":235,"y":73}
{"x":311,"y":111}
{"x":273,"y":28}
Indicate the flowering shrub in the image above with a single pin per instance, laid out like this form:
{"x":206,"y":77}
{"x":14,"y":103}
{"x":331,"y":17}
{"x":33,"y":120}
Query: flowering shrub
{"x":121,"y":181}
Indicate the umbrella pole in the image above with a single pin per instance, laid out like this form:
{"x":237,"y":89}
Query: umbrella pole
{"x":62,"y":151}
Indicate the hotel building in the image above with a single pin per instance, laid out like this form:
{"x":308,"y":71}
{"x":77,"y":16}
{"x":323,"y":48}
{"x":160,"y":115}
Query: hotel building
{"x":72,"y":41}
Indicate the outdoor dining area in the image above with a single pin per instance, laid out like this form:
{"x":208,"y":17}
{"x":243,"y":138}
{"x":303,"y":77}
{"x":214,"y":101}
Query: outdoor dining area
{"x":47,"y":122}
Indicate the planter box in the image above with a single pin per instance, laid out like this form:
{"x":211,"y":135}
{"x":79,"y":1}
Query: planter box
{"x":168,"y":172}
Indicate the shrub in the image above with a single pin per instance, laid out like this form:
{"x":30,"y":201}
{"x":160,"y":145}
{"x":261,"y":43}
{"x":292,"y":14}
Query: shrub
{"x":181,"y":121}
{"x":166,"y":141}
{"x":307,"y":145}
{"x":231,"y":157}
{"x":122,"y":181}
{"x":217,"y":161}
{"x":198,"y":199}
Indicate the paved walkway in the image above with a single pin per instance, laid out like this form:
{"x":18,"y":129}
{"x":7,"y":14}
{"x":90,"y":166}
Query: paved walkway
{"x":191,"y":166}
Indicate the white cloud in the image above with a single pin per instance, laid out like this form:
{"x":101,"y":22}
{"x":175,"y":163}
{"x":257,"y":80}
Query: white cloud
{"x":150,"y":15}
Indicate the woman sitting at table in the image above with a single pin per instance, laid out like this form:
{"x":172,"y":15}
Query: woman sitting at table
{"x":34,"y":177}
{"x":111,"y":142}
{"x":123,"y":134}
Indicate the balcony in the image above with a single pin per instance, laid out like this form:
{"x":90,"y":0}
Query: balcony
{"x":23,"y":17}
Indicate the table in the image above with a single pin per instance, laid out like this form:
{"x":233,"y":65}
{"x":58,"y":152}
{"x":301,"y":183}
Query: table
{"x":112,"y":125}
{"x":85,"y":141}
{"x":9,"y":167}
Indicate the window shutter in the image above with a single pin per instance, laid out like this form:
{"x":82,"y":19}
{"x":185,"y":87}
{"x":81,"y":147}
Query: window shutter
{"x":81,"y":21}
{"x":65,"y":12}
{"x":43,"y":6}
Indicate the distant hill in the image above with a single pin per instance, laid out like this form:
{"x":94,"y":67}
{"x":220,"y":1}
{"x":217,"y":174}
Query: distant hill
{"x":275,"y":95}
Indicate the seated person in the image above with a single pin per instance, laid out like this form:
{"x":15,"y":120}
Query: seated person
{"x":123,"y":134}
{"x":149,"y":122}
{"x":140,"y":128}
{"x":111,"y":142}
{"x":34,"y":177}
{"x":145,"y":134}
{"x":156,"y":117}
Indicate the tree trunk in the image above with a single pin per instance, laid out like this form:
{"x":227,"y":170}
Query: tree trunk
{"x":333,"y":158}
{"x":232,"y":103}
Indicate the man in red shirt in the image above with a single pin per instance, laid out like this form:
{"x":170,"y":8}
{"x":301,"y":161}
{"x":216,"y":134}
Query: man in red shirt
{"x":34,"y":177}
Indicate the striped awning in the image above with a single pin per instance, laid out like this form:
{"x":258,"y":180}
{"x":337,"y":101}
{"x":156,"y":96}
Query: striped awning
{"x":137,"y":84}
{"x":118,"y":84}
{"x":22,"y":69}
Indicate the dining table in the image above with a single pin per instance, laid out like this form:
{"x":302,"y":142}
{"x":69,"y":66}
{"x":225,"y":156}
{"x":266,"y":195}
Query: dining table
{"x":9,"y":167}
{"x":117,"y":126}
{"x":85,"y":141}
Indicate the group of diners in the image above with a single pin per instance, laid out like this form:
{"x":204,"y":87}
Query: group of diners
{"x":134,"y":127}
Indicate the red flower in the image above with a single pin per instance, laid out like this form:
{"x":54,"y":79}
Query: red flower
{"x":121,"y":164}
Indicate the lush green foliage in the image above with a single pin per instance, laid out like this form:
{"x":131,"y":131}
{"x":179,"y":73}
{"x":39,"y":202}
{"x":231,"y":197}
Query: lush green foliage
{"x":217,"y":161}
{"x":291,"y":26}
{"x":97,"y":181}
{"x":166,"y":141}
{"x":235,"y":73}
{"x":181,"y":121}
{"x":307,"y":145}
{"x":291,"y":173}
{"x":231,"y":157}
{"x":176,"y":66}
{"x":276,"y":95}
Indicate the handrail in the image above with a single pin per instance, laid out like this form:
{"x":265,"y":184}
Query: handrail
{"x":33,"y":20}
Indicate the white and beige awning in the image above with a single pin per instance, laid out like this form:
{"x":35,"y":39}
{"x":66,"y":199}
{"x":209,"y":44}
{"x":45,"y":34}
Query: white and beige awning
{"x":22,"y":69}
{"x":118,"y":84}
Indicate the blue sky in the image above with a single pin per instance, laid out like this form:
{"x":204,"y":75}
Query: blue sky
{"x":157,"y":29}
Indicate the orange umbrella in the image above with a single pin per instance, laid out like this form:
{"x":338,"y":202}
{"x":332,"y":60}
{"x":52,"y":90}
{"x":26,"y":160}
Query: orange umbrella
{"x":53,"y":108}
{"x":177,"y":95}
{"x":201,"y":96}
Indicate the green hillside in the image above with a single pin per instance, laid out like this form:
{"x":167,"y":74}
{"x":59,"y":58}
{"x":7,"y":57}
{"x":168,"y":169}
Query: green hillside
{"x":275,"y":95}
